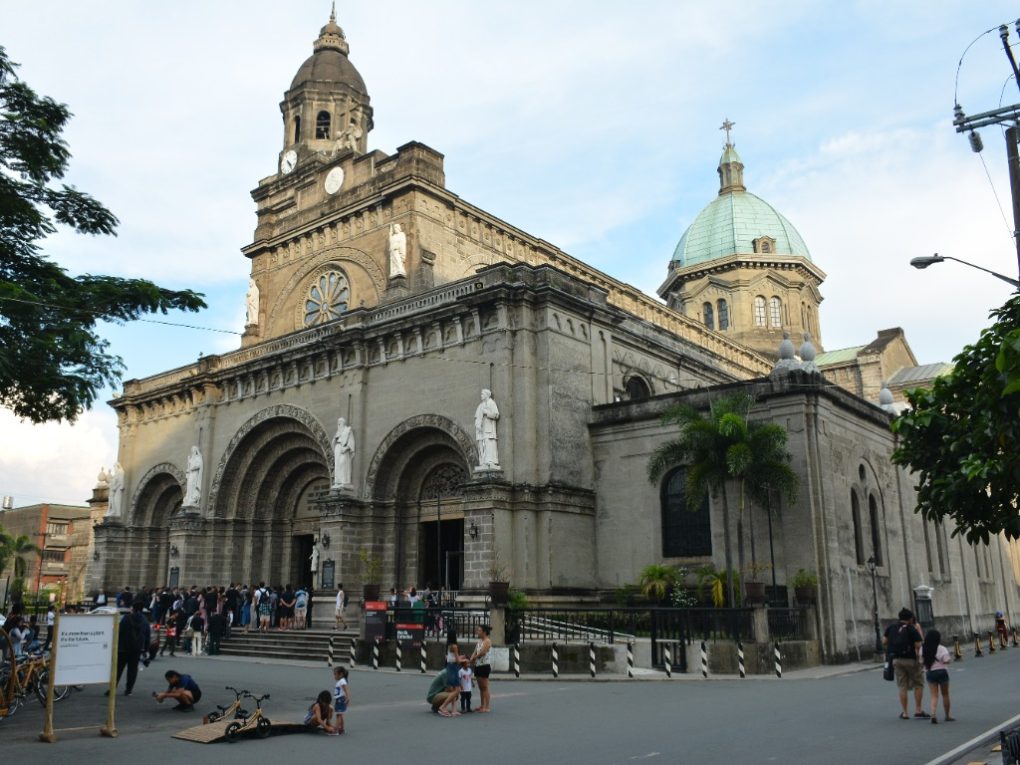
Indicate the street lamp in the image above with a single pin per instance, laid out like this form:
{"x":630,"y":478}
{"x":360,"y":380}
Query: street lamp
{"x":874,"y":594}
{"x":924,"y":262}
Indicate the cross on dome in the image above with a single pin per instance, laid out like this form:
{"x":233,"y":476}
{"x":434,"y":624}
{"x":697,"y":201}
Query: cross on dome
{"x":727,"y":126}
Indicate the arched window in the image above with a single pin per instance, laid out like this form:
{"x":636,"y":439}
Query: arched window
{"x":322,"y":125}
{"x":876,"y":530}
{"x":766,"y":247}
{"x":775,"y":312}
{"x":685,"y":533}
{"x":724,"y":314}
{"x":759,"y":311}
{"x":706,"y":311}
{"x":637,"y":389}
{"x":297,"y":128}
{"x":855,"y":511}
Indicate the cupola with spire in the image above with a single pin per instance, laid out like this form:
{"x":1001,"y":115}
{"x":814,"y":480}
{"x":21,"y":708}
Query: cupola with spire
{"x":327,"y":108}
{"x":742,"y":268}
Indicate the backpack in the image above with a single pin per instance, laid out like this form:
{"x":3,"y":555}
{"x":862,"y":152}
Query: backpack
{"x":902,"y":644}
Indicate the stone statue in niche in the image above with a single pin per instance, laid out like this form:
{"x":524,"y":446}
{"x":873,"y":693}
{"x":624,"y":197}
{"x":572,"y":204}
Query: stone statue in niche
{"x":486,"y":415}
{"x":350,"y":137}
{"x":251,"y":304}
{"x":398,"y":251}
{"x":193,"y":490}
{"x":314,"y":560}
{"x":343,"y":454}
{"x":116,"y":507}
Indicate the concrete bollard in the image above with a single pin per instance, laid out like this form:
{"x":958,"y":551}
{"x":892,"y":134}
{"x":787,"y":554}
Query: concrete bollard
{"x":957,"y":651}
{"x":399,"y":655}
{"x":591,"y":659}
{"x":779,"y":662}
{"x":375,"y":654}
{"x":517,"y":660}
{"x":555,"y":661}
{"x":704,"y":660}
{"x":630,"y":658}
{"x":740,"y":660}
{"x":667,"y":656}
{"x":354,"y":652}
{"x":329,"y":653}
{"x":424,"y":658}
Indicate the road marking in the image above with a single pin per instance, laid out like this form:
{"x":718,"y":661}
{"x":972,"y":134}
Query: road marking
{"x":953,"y":754}
{"x":646,"y":756}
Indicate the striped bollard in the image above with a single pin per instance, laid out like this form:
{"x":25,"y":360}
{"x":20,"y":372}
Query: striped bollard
{"x":957,"y":651}
{"x":978,"y":653}
{"x":329,"y":653}
{"x":424,"y":658}
{"x":630,"y":658}
{"x":779,"y":662}
{"x":740,"y":660}
{"x":667,"y":656}
{"x":354,"y":652}
{"x":555,"y":661}
{"x":704,"y":660}
{"x":400,"y":656}
{"x":375,"y":654}
{"x":591,"y":659}
{"x":991,"y":643}
{"x":517,"y":660}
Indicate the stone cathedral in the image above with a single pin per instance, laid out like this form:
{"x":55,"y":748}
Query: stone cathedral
{"x":423,"y":384}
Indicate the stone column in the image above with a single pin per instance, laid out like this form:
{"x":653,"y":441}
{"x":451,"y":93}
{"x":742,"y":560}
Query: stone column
{"x":760,"y":624}
{"x":497,"y":620}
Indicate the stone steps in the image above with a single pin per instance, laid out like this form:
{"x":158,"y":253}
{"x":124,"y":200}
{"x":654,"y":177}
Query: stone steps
{"x":310,"y":645}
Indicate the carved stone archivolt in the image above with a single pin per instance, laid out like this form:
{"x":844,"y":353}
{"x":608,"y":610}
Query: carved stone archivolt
{"x":163,"y":468}
{"x":279,"y":411}
{"x":464,"y":442}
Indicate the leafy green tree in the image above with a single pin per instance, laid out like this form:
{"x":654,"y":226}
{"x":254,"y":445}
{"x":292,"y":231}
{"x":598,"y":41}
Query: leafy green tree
{"x":17,"y":548}
{"x":724,"y":448}
{"x":53,"y":364}
{"x":961,"y":437}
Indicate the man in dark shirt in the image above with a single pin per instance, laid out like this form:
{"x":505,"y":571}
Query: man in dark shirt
{"x":903,"y":640}
{"x":182,"y":688}
{"x":130,"y":644}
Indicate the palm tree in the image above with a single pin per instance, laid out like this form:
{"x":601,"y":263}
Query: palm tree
{"x":16,"y":548}
{"x":723,"y":448}
{"x":657,"y":582}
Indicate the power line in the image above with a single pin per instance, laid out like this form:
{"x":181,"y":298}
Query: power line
{"x":70,"y":309}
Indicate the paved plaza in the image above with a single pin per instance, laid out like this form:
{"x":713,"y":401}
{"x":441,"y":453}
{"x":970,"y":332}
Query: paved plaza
{"x":811,"y":717}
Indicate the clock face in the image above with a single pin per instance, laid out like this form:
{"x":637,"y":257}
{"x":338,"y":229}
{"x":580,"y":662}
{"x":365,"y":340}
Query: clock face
{"x":334,"y":180}
{"x":288,"y":161}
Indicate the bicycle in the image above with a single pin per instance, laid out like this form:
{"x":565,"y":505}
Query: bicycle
{"x":28,"y":674}
{"x":233,"y":710}
{"x":257,"y":721}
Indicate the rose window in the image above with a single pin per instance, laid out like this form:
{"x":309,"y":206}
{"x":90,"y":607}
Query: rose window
{"x":327,"y":299}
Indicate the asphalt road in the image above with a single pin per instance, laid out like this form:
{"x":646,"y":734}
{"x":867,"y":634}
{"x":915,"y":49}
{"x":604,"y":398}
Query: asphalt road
{"x":851,"y":718}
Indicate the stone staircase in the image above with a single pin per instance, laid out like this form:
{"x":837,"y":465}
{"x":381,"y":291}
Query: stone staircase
{"x":307,"y":645}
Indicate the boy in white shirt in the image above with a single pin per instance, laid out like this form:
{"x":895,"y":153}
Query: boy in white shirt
{"x":466,"y":680}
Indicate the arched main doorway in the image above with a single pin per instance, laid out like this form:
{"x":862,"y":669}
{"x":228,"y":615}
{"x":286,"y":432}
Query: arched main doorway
{"x":160,"y":495}
{"x":419,"y":476}
{"x":273,"y":467}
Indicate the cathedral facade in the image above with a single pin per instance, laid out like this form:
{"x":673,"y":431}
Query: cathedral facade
{"x":426,"y":394}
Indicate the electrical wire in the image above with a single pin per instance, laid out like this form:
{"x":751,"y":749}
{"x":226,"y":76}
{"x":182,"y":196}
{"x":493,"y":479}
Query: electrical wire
{"x":69,"y":309}
{"x":1002,"y":211}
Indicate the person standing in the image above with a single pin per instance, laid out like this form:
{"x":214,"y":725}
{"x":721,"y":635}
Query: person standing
{"x":936,"y":660}
{"x":480,"y":661}
{"x":130,"y":642}
{"x":903,"y":641}
{"x":341,"y":606}
{"x":300,"y":608}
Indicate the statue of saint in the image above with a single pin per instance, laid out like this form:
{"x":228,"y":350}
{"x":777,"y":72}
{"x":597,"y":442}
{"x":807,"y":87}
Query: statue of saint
{"x":116,"y":493}
{"x":343,"y":453}
{"x":314,"y":559}
{"x":485,"y":432}
{"x":398,"y":251}
{"x":251,"y":303}
{"x":193,"y":491}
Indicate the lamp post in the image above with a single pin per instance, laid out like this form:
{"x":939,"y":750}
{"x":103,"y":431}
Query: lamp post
{"x":874,"y":594}
{"x":924,"y":262}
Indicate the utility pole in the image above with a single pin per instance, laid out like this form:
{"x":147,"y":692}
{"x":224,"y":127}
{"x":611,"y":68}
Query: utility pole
{"x":1009,"y":116}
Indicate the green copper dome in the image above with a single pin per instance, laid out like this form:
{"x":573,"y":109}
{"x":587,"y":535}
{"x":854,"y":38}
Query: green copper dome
{"x":733,"y":220}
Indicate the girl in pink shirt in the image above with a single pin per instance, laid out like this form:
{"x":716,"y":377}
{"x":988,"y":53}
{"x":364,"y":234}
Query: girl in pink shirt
{"x":936,"y":659}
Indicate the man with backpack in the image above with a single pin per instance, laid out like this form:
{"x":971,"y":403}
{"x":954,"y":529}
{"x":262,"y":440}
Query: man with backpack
{"x":903,"y":641}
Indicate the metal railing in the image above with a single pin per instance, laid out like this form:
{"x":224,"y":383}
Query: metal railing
{"x":439,"y":620}
{"x":787,"y":623}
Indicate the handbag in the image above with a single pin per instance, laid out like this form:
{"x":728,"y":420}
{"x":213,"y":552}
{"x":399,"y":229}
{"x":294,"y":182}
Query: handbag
{"x":888,"y":673}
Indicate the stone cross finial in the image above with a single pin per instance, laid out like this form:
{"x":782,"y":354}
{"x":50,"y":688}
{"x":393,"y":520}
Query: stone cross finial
{"x":332,"y":12}
{"x":727,"y":126}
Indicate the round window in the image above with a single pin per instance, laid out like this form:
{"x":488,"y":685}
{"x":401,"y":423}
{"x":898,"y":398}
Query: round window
{"x":327,"y":298}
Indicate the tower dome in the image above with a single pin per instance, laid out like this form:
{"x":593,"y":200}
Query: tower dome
{"x":329,"y":62}
{"x":736,"y":222}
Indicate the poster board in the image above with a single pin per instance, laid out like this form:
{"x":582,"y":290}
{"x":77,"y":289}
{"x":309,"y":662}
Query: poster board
{"x":84,"y":644}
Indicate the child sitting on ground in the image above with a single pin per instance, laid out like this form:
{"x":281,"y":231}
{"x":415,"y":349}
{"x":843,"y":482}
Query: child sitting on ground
{"x":341,"y":697}
{"x":320,"y":715}
{"x":466,"y":679}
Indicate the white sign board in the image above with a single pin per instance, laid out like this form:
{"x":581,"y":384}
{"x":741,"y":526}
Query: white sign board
{"x":84,"y":644}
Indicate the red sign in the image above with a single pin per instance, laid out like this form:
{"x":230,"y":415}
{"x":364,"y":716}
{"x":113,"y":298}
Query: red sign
{"x":375,"y":605}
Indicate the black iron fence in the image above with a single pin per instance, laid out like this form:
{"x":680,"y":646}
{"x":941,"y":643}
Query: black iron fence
{"x":787,"y":623}
{"x":439,"y":620}
{"x":612,"y":625}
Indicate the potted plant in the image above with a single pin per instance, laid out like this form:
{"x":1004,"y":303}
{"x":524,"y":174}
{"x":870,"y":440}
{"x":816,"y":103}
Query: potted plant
{"x":371,"y":568}
{"x":657,"y":581}
{"x":714,"y":581}
{"x":805,"y":586}
{"x":499,"y":582}
{"x":754,"y":590}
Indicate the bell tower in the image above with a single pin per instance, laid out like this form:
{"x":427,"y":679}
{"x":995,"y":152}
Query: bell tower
{"x":327,"y":109}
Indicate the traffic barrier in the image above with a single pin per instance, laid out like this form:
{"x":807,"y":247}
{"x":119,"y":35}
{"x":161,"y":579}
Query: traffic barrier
{"x":424,"y":658}
{"x":517,"y":660}
{"x":704,"y":660}
{"x":375,"y":654}
{"x":779,"y":662}
{"x":354,"y":652}
{"x":630,"y":658}
{"x":667,"y":655}
{"x":555,"y":661}
{"x":399,"y":655}
{"x":740,"y":660}
{"x":329,"y":653}
{"x":591,"y":659}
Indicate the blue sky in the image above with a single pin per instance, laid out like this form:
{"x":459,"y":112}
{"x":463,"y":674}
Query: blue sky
{"x":594,"y":126}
